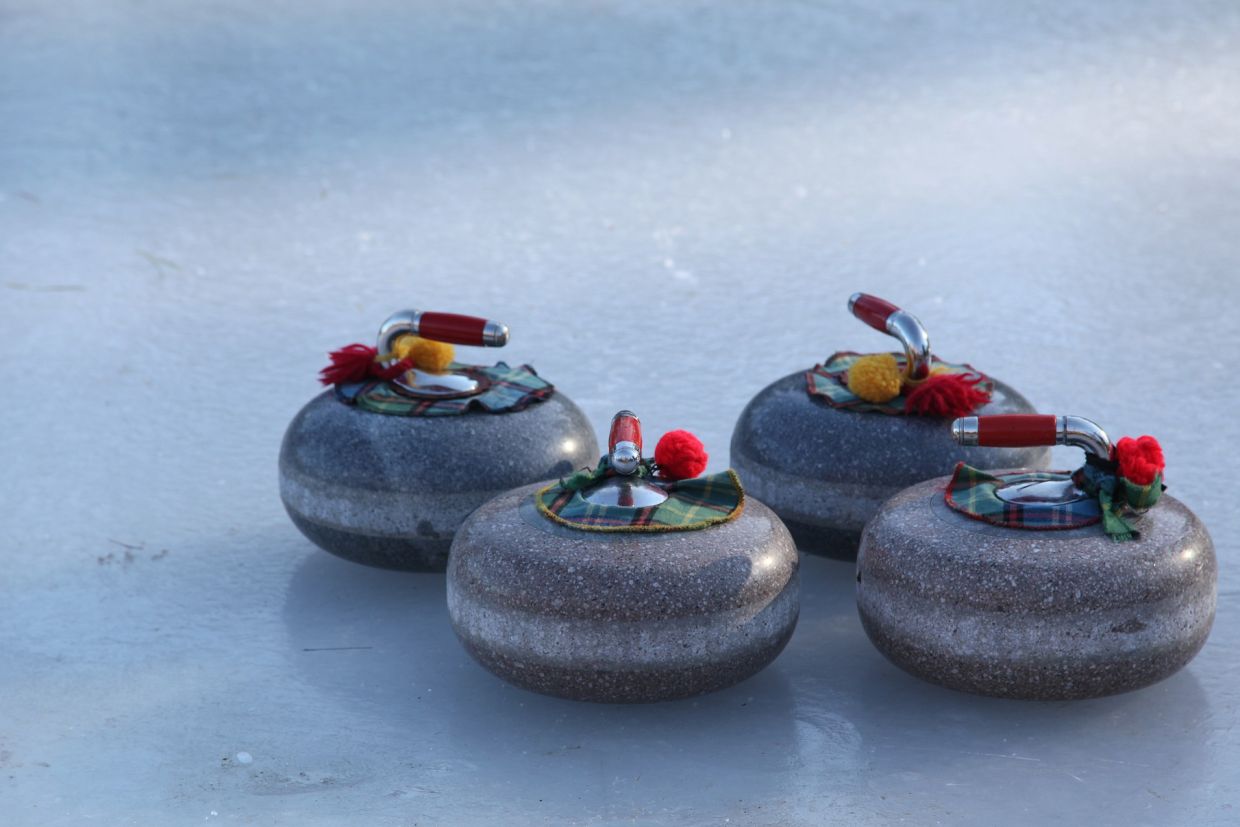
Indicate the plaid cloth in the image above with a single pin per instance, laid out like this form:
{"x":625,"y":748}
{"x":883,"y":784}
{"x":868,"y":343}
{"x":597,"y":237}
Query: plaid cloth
{"x":511,"y":389}
{"x":1100,"y":478}
{"x":829,"y":382}
{"x":972,"y":492}
{"x":691,"y":504}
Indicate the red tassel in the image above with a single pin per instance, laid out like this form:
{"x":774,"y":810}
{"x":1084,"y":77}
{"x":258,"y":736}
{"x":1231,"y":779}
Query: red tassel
{"x":947,"y":395}
{"x":356,"y":363}
{"x":349,"y":364}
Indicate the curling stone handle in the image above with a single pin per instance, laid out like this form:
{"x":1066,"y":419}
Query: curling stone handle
{"x":442,"y":327}
{"x":1030,"y":430}
{"x":872,"y":310}
{"x":885,"y":317}
{"x":624,"y":443}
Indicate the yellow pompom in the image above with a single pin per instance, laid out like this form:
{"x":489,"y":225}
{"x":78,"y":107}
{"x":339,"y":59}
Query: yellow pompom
{"x":425,"y":354}
{"x":875,"y":378}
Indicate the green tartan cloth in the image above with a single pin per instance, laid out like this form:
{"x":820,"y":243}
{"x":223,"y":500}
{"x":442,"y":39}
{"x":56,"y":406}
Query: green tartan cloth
{"x":511,"y":389}
{"x":691,"y":504}
{"x":973,"y":492}
{"x":1116,"y":494}
{"x":829,"y":382}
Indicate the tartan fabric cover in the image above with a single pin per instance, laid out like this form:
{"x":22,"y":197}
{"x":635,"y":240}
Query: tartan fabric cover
{"x":691,"y":504}
{"x":1115,"y":494}
{"x":972,"y":493}
{"x":512,"y":389}
{"x":829,"y":382}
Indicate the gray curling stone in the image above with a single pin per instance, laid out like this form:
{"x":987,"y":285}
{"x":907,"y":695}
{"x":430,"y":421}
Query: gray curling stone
{"x":391,"y":491}
{"x":825,"y":471}
{"x":1045,"y":615}
{"x":621,"y":617}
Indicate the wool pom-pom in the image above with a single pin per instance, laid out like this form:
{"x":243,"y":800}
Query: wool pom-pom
{"x":946,"y":394}
{"x":680,"y":455}
{"x":1140,"y":460}
{"x":357,"y":363}
{"x":424,"y":354}
{"x":875,"y":378}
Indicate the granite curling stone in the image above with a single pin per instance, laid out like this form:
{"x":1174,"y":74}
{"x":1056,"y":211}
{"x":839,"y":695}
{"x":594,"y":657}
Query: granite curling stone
{"x":825,"y":459}
{"x":383,"y":468}
{"x":1039,"y":585}
{"x":622,"y":584}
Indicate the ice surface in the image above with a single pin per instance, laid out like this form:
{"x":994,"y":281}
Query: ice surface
{"x":669,"y":204}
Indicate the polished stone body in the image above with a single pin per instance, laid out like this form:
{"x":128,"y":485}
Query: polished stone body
{"x":621,"y":617}
{"x":1048,"y":615}
{"x":825,"y":471}
{"x":391,"y":491}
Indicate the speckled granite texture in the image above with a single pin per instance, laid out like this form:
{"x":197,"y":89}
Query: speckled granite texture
{"x":1049,"y":615}
{"x":621,"y":618}
{"x":391,"y":491}
{"x":825,"y":471}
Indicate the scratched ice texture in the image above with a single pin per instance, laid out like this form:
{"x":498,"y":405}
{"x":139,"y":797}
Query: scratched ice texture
{"x":668,"y":203}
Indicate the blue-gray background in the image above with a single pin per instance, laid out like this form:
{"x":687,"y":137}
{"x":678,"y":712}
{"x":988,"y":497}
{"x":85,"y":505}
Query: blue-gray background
{"x":668,"y":202}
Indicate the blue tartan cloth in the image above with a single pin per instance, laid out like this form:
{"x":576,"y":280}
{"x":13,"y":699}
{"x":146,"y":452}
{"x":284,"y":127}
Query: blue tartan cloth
{"x":973,"y":493}
{"x":511,"y":389}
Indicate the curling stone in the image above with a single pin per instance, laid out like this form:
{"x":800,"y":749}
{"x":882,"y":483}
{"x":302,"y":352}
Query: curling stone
{"x":383,"y":468}
{"x":1040,"y":585}
{"x":632,"y":582}
{"x":824,"y":458}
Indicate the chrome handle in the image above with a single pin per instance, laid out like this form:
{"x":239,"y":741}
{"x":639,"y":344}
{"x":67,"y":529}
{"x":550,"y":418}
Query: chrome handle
{"x":884,"y":316}
{"x":624,"y":443}
{"x":442,"y":327}
{"x":1029,"y":430}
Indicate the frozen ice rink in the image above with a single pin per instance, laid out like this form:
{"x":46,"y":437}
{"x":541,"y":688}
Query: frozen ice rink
{"x":668,"y":203}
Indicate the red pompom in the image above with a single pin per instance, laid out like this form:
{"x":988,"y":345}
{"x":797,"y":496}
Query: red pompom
{"x":1140,"y":460}
{"x":356,"y":363}
{"x":946,"y":394}
{"x":680,"y":455}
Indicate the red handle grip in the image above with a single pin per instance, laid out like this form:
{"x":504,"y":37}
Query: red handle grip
{"x":1017,"y":430}
{"x":625,"y":427}
{"x":452,"y":328}
{"x":872,"y":310}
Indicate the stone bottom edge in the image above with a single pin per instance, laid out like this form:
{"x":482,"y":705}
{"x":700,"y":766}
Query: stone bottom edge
{"x":1061,"y":679}
{"x":401,"y":553}
{"x":621,"y":685}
